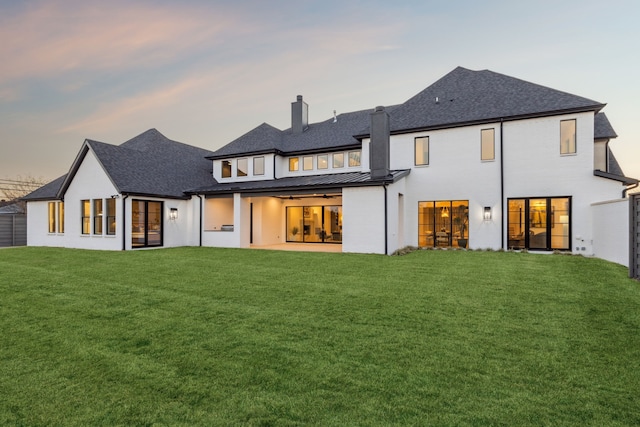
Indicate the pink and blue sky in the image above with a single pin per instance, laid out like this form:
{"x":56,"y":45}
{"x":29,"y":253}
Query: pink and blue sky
{"x":206,"y":72}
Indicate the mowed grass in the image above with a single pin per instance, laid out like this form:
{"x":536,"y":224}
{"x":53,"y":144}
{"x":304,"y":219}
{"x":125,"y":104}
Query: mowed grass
{"x":204,"y":336}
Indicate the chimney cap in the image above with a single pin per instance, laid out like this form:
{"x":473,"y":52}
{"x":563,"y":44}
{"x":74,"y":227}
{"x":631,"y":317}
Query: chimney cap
{"x":379,"y":108}
{"x":299,"y":98}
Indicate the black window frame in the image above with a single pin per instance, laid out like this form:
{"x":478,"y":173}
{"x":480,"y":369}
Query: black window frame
{"x":415,"y":150}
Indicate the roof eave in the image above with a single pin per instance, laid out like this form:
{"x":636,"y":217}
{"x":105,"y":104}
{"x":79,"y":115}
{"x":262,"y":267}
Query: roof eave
{"x":242,"y":154}
{"x":595,"y":108}
{"x":625,"y":180}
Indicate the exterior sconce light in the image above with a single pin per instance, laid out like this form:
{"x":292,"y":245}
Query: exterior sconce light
{"x":173,"y":214}
{"x":487,"y":213}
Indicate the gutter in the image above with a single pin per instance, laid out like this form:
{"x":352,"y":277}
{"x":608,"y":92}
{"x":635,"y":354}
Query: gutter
{"x":624,"y":192}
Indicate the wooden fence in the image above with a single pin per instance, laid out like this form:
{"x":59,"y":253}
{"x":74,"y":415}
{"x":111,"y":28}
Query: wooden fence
{"x":634,"y":240}
{"x":13,"y":230}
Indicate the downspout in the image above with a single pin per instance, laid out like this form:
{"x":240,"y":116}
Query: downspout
{"x":502,"y":204}
{"x":200,"y":230}
{"x":386,"y":220}
{"x":124,"y":222}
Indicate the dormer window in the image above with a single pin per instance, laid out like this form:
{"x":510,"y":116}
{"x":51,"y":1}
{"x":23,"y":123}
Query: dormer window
{"x":226,"y":168}
{"x":323,"y":161}
{"x":294,"y":164}
{"x":338,"y":160}
{"x":307,"y":163}
{"x":354,"y":158}
{"x":258,"y":165}
{"x":242,"y":167}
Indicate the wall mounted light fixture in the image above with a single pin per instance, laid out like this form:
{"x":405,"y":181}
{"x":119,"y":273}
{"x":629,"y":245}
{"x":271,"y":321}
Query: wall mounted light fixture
{"x":487,"y":213}
{"x":173,"y":214}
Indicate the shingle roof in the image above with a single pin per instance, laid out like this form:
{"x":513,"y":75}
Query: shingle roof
{"x":336,"y":180}
{"x":466,"y":96}
{"x":48,"y":191}
{"x":148,"y":164}
{"x":152,"y":164}
{"x":602,"y":128}
{"x":326,"y":135}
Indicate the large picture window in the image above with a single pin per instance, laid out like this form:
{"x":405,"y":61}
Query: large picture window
{"x":443,"y":223}
{"x":539,"y":223}
{"x":146,"y":223}
{"x":314,"y":224}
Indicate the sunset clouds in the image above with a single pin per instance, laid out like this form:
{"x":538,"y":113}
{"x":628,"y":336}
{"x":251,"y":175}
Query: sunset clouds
{"x":205,"y":72}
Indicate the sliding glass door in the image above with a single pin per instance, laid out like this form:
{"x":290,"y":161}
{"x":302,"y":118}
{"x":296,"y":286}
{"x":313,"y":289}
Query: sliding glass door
{"x":314,"y":224}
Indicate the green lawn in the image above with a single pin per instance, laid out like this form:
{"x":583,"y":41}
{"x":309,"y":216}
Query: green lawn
{"x":203,"y":336}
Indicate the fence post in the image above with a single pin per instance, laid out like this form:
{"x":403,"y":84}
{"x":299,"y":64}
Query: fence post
{"x":634,"y":240}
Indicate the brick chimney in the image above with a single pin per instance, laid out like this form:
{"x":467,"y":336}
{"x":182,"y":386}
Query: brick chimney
{"x":379,"y":145}
{"x":299,"y":115}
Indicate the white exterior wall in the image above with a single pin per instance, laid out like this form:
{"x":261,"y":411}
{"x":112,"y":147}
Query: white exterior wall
{"x":455,"y":172}
{"x":533,"y":167}
{"x":611,"y":236}
{"x":38,"y":227}
{"x":363,"y":220}
{"x":90,"y":182}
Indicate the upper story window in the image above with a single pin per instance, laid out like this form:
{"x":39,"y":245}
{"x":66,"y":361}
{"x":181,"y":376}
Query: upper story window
{"x":226,"y":168}
{"x":354,"y":158}
{"x":421,"y":150}
{"x":323,"y":161}
{"x":258,"y":165}
{"x":338,"y":160}
{"x":242,"y":167}
{"x":294,"y":163}
{"x":487,"y":144}
{"x":568,"y":136}
{"x":307,"y":163}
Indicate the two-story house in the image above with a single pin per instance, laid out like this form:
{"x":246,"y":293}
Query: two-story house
{"x":476,"y":160}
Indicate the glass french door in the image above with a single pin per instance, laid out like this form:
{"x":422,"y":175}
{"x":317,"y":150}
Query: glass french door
{"x":146,"y":223}
{"x":539,"y":223}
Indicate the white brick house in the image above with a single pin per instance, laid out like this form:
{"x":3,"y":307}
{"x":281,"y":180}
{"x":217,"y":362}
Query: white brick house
{"x":476,"y":160}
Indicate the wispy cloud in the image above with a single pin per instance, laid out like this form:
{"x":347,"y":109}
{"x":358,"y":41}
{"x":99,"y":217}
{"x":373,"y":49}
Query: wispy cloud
{"x":52,"y":38}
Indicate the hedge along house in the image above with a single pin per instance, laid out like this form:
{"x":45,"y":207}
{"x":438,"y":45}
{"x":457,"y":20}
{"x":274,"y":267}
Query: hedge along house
{"x":478,"y":160}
